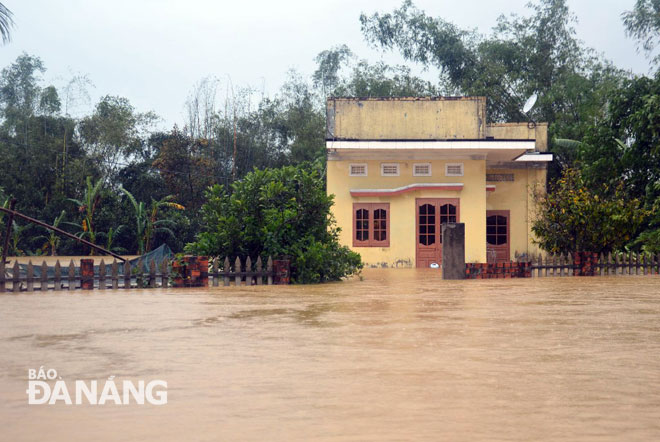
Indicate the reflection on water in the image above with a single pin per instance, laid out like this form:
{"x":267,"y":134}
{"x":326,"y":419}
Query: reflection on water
{"x":401,"y":355}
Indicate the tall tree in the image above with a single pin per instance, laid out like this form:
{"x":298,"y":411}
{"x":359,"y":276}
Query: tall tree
{"x":6,"y":23}
{"x":643,"y":24}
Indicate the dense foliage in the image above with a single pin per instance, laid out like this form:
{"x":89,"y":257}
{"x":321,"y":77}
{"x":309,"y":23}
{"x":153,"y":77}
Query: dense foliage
{"x":277,"y":212}
{"x":572,"y":217}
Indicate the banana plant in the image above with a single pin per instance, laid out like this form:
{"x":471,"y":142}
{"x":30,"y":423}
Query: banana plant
{"x":86,"y":208}
{"x":53,"y":239}
{"x":146,"y":219}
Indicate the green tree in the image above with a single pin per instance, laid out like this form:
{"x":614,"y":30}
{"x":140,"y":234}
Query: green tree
{"x":525,"y":54}
{"x":277,"y":212}
{"x":643,"y":24}
{"x":573,"y":218}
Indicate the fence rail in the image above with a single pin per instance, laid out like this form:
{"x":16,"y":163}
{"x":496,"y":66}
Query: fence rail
{"x":591,"y":264}
{"x":114,"y":276}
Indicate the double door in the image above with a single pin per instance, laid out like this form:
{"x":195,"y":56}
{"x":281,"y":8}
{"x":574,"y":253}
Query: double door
{"x":431,"y":214}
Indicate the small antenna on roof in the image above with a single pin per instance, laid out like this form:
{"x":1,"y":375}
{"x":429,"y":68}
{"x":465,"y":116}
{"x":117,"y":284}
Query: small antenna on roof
{"x":529,"y":104}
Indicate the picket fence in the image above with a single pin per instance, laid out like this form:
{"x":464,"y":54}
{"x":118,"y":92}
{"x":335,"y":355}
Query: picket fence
{"x":595,"y":265}
{"x":109,"y":276}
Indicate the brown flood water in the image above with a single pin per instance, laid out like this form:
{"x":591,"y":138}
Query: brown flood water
{"x":399,"y":356}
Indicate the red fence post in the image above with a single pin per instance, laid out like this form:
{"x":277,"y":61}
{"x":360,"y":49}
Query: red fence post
{"x":281,"y":268}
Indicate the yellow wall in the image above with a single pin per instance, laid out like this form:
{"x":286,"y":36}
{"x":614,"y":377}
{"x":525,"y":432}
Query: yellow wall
{"x":401,"y":252}
{"x":520,"y":131}
{"x":516,"y":197}
{"x":407,"y":118}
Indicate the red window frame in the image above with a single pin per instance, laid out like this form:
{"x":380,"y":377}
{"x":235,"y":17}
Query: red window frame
{"x":370,"y":231}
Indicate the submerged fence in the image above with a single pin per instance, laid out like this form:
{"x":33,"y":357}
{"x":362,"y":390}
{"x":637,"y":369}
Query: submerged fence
{"x":593,"y":264}
{"x":186,"y":272}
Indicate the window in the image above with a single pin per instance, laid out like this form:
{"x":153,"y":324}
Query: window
{"x":496,"y":230}
{"x":371,"y":225}
{"x":454,"y":169}
{"x":422,"y":169}
{"x":357,"y":170}
{"x":389,"y":169}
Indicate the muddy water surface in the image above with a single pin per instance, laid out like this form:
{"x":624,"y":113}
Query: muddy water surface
{"x":401,"y":355}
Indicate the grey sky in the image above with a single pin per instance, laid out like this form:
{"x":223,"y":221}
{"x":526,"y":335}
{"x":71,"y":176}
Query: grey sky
{"x":153,"y":51}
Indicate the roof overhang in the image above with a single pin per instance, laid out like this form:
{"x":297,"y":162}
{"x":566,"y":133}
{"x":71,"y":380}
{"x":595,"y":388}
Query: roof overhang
{"x":535,"y":157}
{"x":492,"y":150}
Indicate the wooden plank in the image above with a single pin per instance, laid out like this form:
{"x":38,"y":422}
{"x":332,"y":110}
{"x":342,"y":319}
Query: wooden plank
{"x":152,"y":274}
{"x":102,"y":275}
{"x":547,"y":263}
{"x":617,"y":264}
{"x":225,"y":270}
{"x":2,"y":276}
{"x":269,"y":269}
{"x":127,"y":275}
{"x":44,"y":277}
{"x":657,"y":263}
{"x":72,"y":275}
{"x":601,"y":264}
{"x":637,"y":263}
{"x":139,"y":274}
{"x":214,"y":272}
{"x":629,"y":268}
{"x":260,"y":279}
{"x":16,"y":278}
{"x":57,"y":284}
{"x":30,"y":277}
{"x":164,"y":274}
{"x":115,"y":275}
{"x":237,"y":270}
{"x":248,"y":268}
{"x":571,"y":270}
{"x":609,"y":264}
{"x":562,"y":263}
{"x":644,"y":269}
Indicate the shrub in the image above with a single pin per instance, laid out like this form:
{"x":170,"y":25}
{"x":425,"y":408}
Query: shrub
{"x":277,"y":212}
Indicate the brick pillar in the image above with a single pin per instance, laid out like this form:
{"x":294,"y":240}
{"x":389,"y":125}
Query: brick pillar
{"x":282,"y":270}
{"x":87,"y":274}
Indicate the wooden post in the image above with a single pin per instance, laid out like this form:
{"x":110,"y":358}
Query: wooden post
{"x":617,"y":264}
{"x":269,"y":269}
{"x":214,"y":272}
{"x":2,"y":276}
{"x":237,"y":270}
{"x":57,"y":285}
{"x":152,"y":274}
{"x":15,"y":278}
{"x":72,"y":275}
{"x":248,"y":269}
{"x":260,"y":279}
{"x":609,"y":263}
{"x":571,"y":270}
{"x":629,"y":269}
{"x":164,"y":274}
{"x":562,"y":263}
{"x":637,"y":262}
{"x":30,"y":277}
{"x":127,"y":275}
{"x":644,"y":270}
{"x":44,"y":277}
{"x":102,"y":275}
{"x":601,"y":262}
{"x":657,"y":262}
{"x":10,"y":222}
{"x":139,"y":274}
{"x":547,"y":263}
{"x":115,"y":275}
{"x":225,"y":270}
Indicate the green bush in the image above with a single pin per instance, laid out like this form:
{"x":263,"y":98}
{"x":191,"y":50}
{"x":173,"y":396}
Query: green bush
{"x":277,"y":212}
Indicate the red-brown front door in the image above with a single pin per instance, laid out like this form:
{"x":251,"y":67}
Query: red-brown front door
{"x":497,"y":235}
{"x":431,"y":213}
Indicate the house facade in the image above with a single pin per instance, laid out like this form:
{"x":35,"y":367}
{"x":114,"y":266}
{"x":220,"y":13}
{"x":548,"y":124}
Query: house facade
{"x":400,"y":167}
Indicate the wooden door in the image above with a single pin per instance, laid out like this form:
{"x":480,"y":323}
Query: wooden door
{"x":431,"y":213}
{"x":497,"y":235}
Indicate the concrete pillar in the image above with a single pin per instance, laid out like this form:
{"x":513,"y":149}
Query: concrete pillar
{"x":453,"y":251}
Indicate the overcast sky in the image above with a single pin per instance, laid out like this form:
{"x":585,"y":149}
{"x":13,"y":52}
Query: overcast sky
{"x":154,"y":51}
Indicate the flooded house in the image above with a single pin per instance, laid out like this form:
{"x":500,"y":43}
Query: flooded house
{"x":401,"y":167}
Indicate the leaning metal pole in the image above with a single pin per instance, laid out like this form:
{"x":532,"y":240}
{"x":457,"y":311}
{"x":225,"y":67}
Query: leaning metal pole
{"x":13,"y":213}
